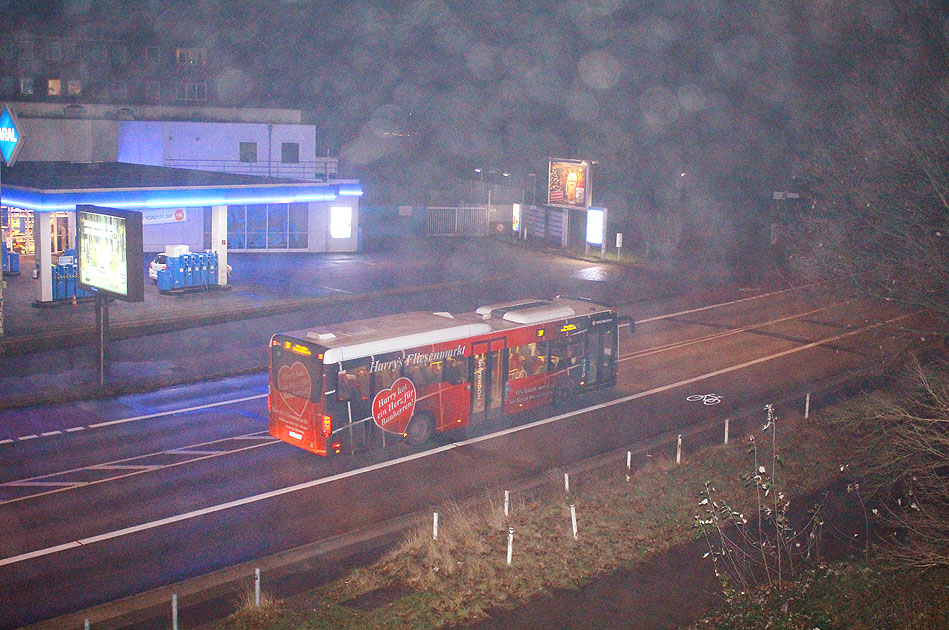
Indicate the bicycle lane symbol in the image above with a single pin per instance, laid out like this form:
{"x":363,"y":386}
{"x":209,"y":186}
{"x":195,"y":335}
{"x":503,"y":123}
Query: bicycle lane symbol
{"x":707,"y":399}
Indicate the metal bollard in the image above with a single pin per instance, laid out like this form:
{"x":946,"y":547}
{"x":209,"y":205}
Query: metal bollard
{"x":257,"y":588}
{"x":434,"y":525}
{"x":679,"y":450}
{"x":510,"y":543}
{"x":573,"y":519}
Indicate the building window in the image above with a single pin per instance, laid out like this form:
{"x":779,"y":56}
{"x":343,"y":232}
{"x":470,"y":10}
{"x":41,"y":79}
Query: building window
{"x":120,"y":54}
{"x":152,"y":55}
{"x":120,"y":90}
{"x":54,"y":50}
{"x":191,"y":92}
{"x":54,"y":87}
{"x":74,"y":87}
{"x":190,"y":57}
{"x":290,"y":152}
{"x":26,"y":86}
{"x":153,"y":90}
{"x":341,"y":222}
{"x":299,"y":219}
{"x":248,"y":152}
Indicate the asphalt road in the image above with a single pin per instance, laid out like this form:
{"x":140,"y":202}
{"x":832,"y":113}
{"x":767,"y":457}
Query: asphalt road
{"x":128,"y":494}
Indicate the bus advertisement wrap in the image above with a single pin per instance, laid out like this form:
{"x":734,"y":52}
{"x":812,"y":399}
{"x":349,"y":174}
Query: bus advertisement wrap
{"x":392,"y":408}
{"x":110,"y":257}
{"x":568,"y":183}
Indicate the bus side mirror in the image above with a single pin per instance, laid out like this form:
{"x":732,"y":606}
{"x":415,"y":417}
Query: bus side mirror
{"x":625,"y":319}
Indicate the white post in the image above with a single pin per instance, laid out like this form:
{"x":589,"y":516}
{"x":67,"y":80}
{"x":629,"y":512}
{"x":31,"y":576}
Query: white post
{"x":726,"y":430}
{"x":679,"y":450}
{"x":807,"y":405}
{"x":629,"y":465}
{"x":434,"y":525}
{"x":257,"y":588}
{"x":174,"y":611}
{"x":566,"y":482}
{"x":86,"y":625}
{"x":219,"y":241}
{"x":573,"y":519}
{"x":507,"y":501}
{"x":510,"y":543}
{"x":42,"y":250}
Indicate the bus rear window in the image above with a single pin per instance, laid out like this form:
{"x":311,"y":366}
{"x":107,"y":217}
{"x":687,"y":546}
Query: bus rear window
{"x":296,"y":373}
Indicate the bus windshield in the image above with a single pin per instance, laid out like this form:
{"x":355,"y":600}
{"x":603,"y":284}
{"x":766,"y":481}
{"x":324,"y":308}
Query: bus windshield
{"x":296,"y":369}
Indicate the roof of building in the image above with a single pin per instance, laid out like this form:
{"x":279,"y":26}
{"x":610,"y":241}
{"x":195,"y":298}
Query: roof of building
{"x":109,"y":175}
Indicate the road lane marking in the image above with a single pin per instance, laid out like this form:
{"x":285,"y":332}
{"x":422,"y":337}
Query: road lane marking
{"x":49,"y":433}
{"x":51,"y":484}
{"x":6,"y":441}
{"x":170,"y":520}
{"x":124,"y":467}
{"x":190,"y":453}
{"x":71,"y":429}
{"x":220,"y":403}
{"x":718,"y":335}
{"x":720,"y":304}
{"x":32,"y":436}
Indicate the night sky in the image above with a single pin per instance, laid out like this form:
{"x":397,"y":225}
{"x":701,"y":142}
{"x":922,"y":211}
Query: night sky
{"x":701,"y":105}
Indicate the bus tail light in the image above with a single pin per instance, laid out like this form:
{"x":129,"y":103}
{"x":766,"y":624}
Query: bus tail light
{"x":269,"y":403}
{"x":337,"y":447}
{"x":327,"y":427}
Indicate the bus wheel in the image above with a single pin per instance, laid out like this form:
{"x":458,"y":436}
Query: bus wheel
{"x":562,"y":396}
{"x":420,"y":429}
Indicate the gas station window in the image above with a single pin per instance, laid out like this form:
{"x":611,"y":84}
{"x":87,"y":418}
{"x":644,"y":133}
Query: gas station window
{"x":257,"y":227}
{"x":341,"y":222}
{"x":299,"y":219}
{"x":54,"y":87}
{"x":277,"y":226}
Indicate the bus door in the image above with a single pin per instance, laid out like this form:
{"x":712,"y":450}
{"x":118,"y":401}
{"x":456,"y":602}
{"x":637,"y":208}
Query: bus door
{"x":487,"y":379}
{"x":600,"y":355}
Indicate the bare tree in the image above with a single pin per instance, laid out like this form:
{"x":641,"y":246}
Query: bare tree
{"x":904,"y":438}
{"x":878,"y":216}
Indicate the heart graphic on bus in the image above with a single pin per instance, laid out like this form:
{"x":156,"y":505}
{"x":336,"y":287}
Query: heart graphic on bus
{"x":392,"y":408}
{"x":294,"y":385}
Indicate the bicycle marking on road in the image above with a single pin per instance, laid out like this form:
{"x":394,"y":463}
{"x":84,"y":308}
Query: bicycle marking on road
{"x":170,"y":520}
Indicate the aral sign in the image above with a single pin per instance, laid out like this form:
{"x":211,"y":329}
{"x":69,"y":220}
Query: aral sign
{"x":10,"y":140}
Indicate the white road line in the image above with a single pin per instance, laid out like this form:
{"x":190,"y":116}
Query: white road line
{"x":71,"y":429}
{"x":395,"y":462}
{"x":719,"y":305}
{"x":32,"y":436}
{"x":725,"y":333}
{"x":189,"y":453}
{"x":124,"y":467}
{"x":6,"y":441}
{"x":256,"y":437}
{"x":48,"y":484}
{"x":175,"y":411}
{"x":49,"y":433}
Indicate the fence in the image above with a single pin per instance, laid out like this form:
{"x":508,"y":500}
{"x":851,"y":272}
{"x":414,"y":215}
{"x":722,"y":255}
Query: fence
{"x":457,"y":221}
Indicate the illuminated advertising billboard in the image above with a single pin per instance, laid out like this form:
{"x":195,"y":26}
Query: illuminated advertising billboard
{"x":568,"y":183}
{"x":109,"y":251}
{"x":595,"y":226}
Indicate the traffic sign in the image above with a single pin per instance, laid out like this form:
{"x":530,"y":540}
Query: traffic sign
{"x":10,"y":139}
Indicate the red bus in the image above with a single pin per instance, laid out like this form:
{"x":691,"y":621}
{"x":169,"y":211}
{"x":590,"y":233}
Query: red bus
{"x":356,"y":385}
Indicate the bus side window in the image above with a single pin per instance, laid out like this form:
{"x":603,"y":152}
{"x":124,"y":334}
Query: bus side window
{"x":516,"y":363}
{"x":455,"y":371}
{"x":385,"y":378}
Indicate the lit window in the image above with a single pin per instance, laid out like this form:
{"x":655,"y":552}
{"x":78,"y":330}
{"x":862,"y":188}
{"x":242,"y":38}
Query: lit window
{"x":190,"y":57}
{"x":341,"y":222}
{"x":54,"y":87}
{"x":73,"y":87}
{"x":248,"y":152}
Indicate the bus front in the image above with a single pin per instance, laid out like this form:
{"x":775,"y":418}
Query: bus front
{"x":295,"y":402}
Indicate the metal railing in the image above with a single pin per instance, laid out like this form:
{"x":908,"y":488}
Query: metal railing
{"x":321,"y":169}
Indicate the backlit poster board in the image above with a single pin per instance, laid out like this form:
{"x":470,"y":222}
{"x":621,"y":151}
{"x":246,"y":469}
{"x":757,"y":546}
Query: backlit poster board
{"x":595,"y":226}
{"x":109,"y":252}
{"x":568,"y":183}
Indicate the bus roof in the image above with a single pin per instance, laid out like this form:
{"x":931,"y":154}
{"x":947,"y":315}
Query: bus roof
{"x":390,"y":333}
